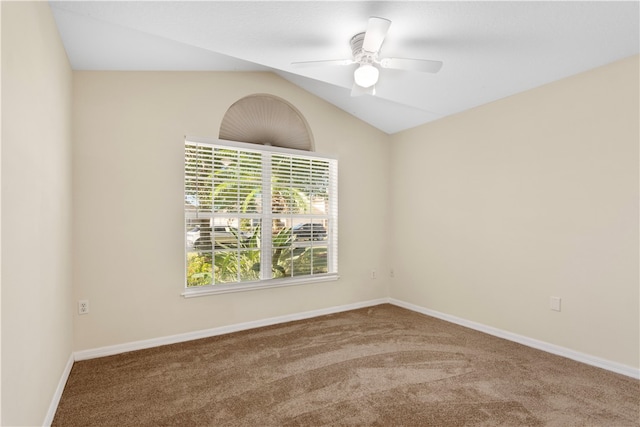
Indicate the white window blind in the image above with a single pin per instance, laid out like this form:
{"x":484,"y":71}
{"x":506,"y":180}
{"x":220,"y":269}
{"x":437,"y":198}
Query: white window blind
{"x":258,"y":216}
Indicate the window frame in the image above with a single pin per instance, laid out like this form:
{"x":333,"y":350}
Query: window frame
{"x":266,"y":217}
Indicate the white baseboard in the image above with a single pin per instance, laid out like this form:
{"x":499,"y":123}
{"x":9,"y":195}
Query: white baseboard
{"x":189,"y":336}
{"x":155,"y":342}
{"x":530,"y":342}
{"x":58,"y":393}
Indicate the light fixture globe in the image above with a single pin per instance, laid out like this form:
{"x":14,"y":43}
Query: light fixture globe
{"x":366,"y":75}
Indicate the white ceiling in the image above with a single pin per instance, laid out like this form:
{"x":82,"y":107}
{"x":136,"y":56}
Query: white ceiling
{"x":490,"y":50}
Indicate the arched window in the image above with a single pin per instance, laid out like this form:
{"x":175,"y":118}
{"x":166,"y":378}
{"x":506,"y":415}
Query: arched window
{"x":267,"y":120}
{"x":260,"y":207}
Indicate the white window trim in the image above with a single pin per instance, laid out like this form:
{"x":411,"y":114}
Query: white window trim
{"x":250,"y":286}
{"x":190,"y":292}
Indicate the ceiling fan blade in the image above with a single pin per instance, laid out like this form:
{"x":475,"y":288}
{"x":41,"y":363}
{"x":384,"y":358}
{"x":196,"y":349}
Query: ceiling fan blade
{"x":421,"y":65}
{"x":359,"y":90}
{"x":306,"y":64}
{"x":376,"y":32}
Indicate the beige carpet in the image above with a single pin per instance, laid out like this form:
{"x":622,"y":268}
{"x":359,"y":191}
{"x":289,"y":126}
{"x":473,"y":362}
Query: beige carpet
{"x":383,"y":366}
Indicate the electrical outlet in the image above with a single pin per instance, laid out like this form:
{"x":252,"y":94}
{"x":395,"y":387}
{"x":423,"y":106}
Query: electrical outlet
{"x":373,"y":274}
{"x":554,"y":303}
{"x":83,"y":306}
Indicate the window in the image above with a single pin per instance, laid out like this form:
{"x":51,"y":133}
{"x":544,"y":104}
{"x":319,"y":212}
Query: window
{"x":257,"y":216}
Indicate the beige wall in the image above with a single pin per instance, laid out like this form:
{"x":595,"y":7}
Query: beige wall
{"x":129,"y":130}
{"x":499,"y":208}
{"x":36,"y":211}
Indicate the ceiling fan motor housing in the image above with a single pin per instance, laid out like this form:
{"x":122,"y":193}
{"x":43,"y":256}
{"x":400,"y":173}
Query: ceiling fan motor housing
{"x":360,"y":55}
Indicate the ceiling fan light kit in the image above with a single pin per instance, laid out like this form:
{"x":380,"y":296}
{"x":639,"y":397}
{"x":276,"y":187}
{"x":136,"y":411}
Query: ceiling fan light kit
{"x":366,"y":75}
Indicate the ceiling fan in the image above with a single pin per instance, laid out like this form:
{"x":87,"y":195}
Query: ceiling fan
{"x":365,"y":47}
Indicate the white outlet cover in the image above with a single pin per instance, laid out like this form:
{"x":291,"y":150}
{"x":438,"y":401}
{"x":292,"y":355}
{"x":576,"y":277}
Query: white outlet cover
{"x":83,"y":307}
{"x":555,"y":303}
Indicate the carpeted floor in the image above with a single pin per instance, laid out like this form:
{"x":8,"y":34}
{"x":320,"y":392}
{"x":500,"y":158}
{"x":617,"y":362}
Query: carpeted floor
{"x":380,"y":366}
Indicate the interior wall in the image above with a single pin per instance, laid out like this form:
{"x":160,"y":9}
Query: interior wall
{"x":36,"y":211}
{"x":129,"y":130}
{"x":501,"y":207}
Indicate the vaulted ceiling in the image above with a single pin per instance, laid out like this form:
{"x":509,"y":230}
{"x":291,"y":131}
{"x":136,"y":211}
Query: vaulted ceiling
{"x":489,"y":50}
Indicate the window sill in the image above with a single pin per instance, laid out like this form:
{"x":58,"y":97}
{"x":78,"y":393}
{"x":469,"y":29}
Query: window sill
{"x":201,"y":291}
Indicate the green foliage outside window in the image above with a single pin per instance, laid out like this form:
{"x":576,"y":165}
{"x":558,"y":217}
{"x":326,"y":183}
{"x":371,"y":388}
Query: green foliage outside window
{"x":244,"y":263}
